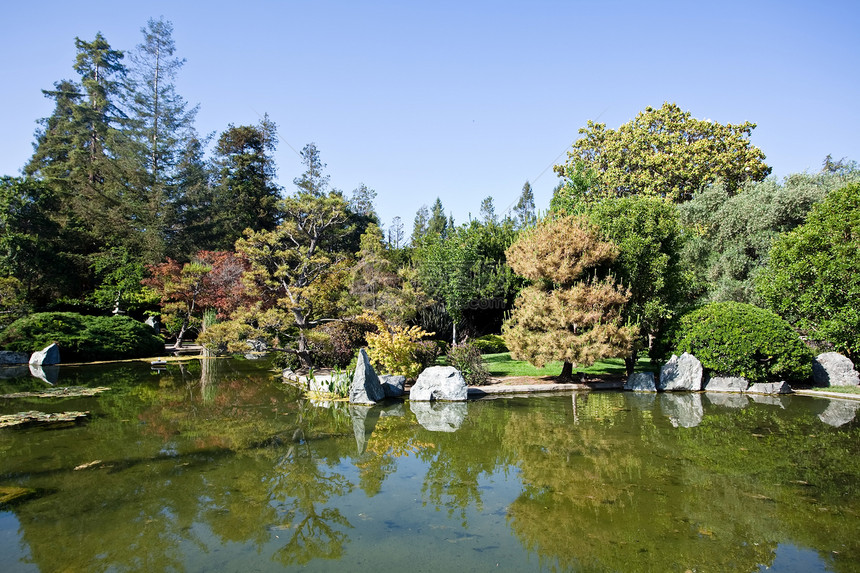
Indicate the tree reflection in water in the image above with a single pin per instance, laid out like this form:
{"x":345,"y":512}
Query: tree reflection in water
{"x":197,"y":467}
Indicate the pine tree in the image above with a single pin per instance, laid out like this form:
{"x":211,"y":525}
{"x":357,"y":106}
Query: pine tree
{"x":162,"y":125}
{"x":524,"y":210}
{"x":566,"y":314}
{"x":245,"y":194}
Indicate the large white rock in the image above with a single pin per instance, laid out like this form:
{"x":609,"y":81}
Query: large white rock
{"x":365,"y":387}
{"x":439,"y":383}
{"x":681,"y":374}
{"x":834,"y":369}
{"x":46,"y":356}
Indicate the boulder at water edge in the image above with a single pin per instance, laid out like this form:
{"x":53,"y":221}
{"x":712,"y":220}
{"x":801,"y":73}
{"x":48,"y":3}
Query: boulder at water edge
{"x":393,"y":385}
{"x":439,"y":383}
{"x":365,"y":387}
{"x":770,"y":388}
{"x":726,"y":384}
{"x":10,"y":357}
{"x":834,"y":369}
{"x":682,"y":374}
{"x":49,"y":355}
{"x":641,"y":382}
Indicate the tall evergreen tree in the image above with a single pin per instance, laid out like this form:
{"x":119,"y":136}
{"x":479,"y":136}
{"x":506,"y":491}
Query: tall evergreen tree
{"x":524,"y":210}
{"x":245,"y":194}
{"x":313,"y":180}
{"x":488,"y":211}
{"x":419,"y":225}
{"x":162,"y":124}
{"x":438,"y":223}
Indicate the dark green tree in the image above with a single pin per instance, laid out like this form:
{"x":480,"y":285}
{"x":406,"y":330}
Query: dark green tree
{"x":650,"y":239}
{"x":245,"y":194}
{"x":437,"y":224}
{"x":812,"y":277}
{"x":161,"y":125}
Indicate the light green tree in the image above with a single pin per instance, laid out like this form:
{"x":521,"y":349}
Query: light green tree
{"x":665,"y":153}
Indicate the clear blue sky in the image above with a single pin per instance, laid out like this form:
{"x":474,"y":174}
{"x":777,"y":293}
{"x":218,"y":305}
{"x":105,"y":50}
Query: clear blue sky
{"x":461,"y":99}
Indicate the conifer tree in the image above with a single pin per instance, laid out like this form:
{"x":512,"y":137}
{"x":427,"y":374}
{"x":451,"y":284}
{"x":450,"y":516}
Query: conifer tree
{"x":572,"y":310}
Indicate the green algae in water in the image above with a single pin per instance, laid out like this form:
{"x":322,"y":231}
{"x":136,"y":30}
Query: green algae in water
{"x":222,"y":467}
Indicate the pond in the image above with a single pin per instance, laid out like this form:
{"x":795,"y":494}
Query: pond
{"x":218,"y":466}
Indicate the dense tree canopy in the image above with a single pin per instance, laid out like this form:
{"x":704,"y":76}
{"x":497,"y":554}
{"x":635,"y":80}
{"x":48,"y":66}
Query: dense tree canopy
{"x":812,"y":277}
{"x":730,"y":236}
{"x":664,"y":153}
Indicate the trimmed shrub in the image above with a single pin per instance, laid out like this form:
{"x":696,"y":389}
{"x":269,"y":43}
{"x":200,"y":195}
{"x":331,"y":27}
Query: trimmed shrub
{"x":467,"y":359}
{"x":738,"y":339}
{"x":83,"y":338}
{"x":490,"y":344}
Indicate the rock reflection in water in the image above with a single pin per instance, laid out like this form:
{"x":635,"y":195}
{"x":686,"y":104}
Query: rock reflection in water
{"x":439,"y":416}
{"x":683,"y":410}
{"x":839,"y":412}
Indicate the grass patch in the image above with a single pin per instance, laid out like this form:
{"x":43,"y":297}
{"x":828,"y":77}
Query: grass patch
{"x":837,"y":389}
{"x":503,"y":365}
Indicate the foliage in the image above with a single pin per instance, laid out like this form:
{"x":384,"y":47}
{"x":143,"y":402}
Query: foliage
{"x":395,"y":348}
{"x":82,"y":338}
{"x":565,"y":315}
{"x":737,"y":339}
{"x":13,"y":304}
{"x":380,"y":286}
{"x":296,"y":271}
{"x":664,"y":153}
{"x":246,"y":196}
{"x":119,"y":277}
{"x":490,"y":344}
{"x":812,"y":277}
{"x":730,"y":236}
{"x":335,"y":343}
{"x":466,"y":357}
{"x":649,"y":237}
{"x":467,"y":274}
{"x":524,"y":210}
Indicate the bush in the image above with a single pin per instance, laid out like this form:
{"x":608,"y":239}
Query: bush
{"x":467,"y":359}
{"x":335,"y":344}
{"x":737,"y":339}
{"x":395,"y":349}
{"x":490,"y":344}
{"x":82,"y":338}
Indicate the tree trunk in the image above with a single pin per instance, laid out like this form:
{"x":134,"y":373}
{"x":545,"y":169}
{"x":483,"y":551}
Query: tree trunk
{"x":567,"y":371}
{"x":630,"y":361}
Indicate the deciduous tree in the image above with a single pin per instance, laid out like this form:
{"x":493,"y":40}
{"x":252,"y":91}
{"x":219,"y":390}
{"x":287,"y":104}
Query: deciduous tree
{"x":665,"y":153}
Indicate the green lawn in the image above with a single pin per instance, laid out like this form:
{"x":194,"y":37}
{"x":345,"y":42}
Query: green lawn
{"x":502,"y":365}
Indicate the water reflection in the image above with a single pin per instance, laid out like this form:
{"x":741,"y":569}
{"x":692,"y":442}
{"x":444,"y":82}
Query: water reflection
{"x":216,"y":465}
{"x":439,"y":416}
